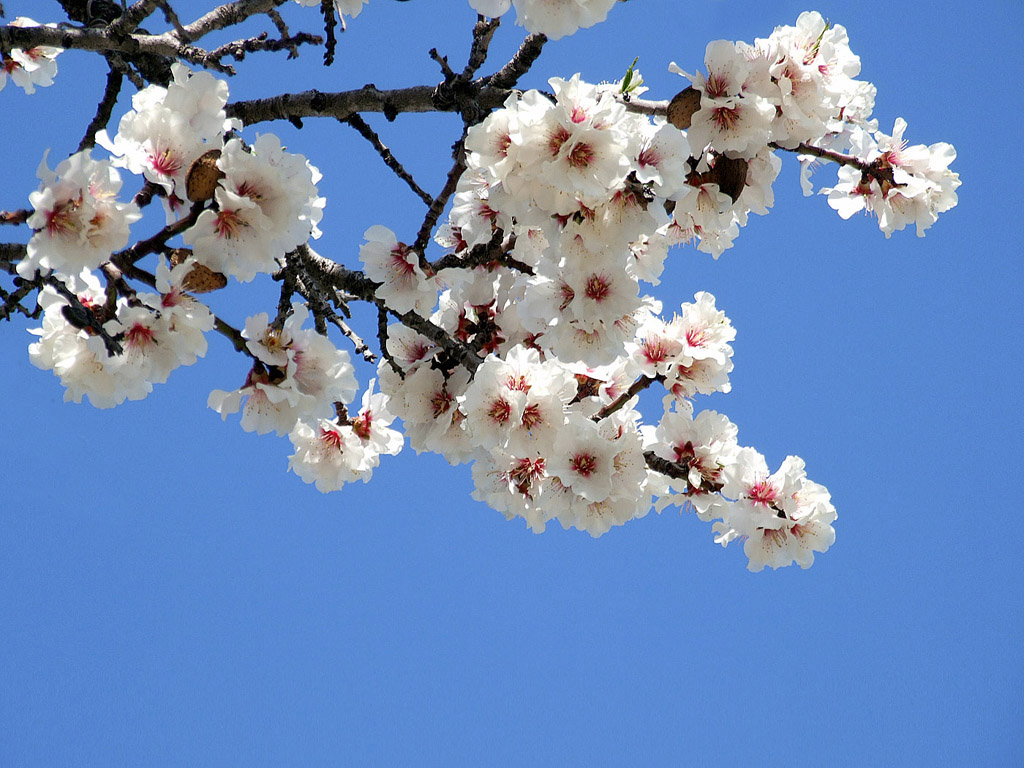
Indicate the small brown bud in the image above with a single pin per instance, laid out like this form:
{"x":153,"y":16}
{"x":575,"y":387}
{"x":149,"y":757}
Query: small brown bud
{"x":201,"y":182}
{"x":682,"y":107}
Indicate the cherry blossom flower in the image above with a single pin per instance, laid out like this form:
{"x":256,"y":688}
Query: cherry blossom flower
{"x":77,"y":220}
{"x":29,"y":67}
{"x":404,"y":285}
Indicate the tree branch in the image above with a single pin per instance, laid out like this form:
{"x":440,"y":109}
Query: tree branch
{"x":520,"y":64}
{"x":105,"y":108}
{"x":389,"y":159}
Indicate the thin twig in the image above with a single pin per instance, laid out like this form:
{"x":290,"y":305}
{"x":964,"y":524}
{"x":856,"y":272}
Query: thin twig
{"x":389,"y":159}
{"x":635,"y":389}
{"x":439,"y":203}
{"x":105,"y":108}
{"x":327,"y":11}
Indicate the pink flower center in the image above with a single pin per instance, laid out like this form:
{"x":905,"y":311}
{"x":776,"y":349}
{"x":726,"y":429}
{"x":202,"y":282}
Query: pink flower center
{"x":523,"y":473}
{"x":597,"y":288}
{"x":361,"y":426}
{"x":654,"y":350}
{"x":581,"y":155}
{"x":440,"y":402}
{"x":716,"y":86}
{"x":61,"y":221}
{"x":762,"y":492}
{"x":248,"y":189}
{"x":228,"y":224}
{"x":517,"y":383}
{"x":499,"y":411}
{"x":331,"y":438}
{"x":532,"y":416}
{"x":400,"y":261}
{"x":697,"y":337}
{"x":648,"y":156}
{"x":557,"y":138}
{"x":139,"y":336}
{"x":583,"y":464}
{"x":725,"y":118}
{"x":165,"y":162}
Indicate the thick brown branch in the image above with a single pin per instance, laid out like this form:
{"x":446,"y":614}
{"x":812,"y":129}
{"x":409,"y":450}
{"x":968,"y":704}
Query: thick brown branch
{"x":292,"y":106}
{"x":520,"y":64}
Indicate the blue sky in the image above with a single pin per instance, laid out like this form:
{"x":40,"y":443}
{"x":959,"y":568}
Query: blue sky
{"x":169,"y":594}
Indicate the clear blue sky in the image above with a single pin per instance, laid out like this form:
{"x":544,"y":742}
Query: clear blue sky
{"x":170,"y":595}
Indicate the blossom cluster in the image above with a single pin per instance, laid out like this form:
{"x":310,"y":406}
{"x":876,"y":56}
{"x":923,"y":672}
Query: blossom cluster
{"x":254,"y":204}
{"x":29,"y":68}
{"x":797,"y":88}
{"x":158,"y":333}
{"x":525,"y":350}
{"x":296,"y":373}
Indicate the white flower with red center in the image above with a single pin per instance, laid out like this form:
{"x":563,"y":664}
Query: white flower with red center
{"x":77,"y":220}
{"x":760,"y":493}
{"x":427,"y":402}
{"x":702,"y":447}
{"x":236,"y":238}
{"x":297,"y":373}
{"x":805,"y":531}
{"x":515,"y":486}
{"x":332,"y":453}
{"x":730,"y":119}
{"x":628,"y":496}
{"x":408,"y":348}
{"x":783,"y":517}
{"x":157,"y":143}
{"x":661,"y":160}
{"x":149,"y":352}
{"x":29,"y":67}
{"x":186,"y":318}
{"x":583,"y":459}
{"x":327,"y":454}
{"x":656,"y":347}
{"x":169,"y":128}
{"x":267,"y":402}
{"x":282,"y":184}
{"x":404,"y":285}
{"x":491,"y":145}
{"x":610,"y":227}
{"x":912,"y":185}
{"x":601,"y":294}
{"x":477,"y":208}
{"x":517,"y":402}
{"x":77,"y":356}
{"x":705,"y":330}
{"x":580,"y":145}
{"x":372,"y":427}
